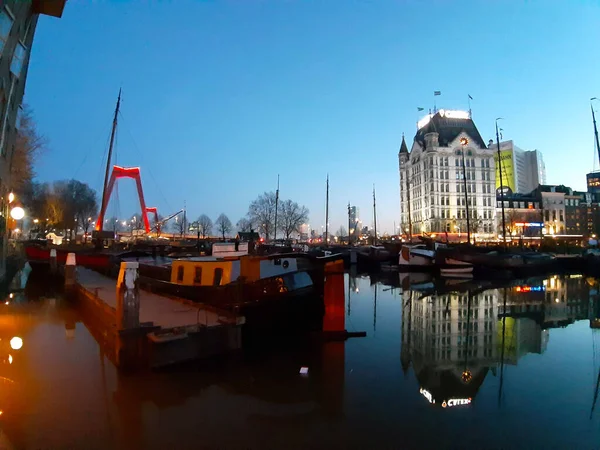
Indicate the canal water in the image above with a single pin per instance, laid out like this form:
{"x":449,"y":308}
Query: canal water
{"x":445,"y":367}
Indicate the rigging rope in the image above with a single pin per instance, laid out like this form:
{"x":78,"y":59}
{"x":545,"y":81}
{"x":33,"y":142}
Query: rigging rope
{"x":141,"y":154}
{"x":92,"y":148}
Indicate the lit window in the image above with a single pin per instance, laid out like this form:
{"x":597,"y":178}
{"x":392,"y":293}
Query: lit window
{"x":6,"y":23}
{"x":18,"y":58}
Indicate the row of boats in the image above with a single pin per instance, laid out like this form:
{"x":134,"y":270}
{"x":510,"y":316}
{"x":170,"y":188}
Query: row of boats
{"x":466,"y":261}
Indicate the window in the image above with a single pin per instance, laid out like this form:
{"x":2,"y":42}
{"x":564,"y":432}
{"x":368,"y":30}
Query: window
{"x":6,"y":23}
{"x":17,"y":61}
{"x":218,"y":276}
{"x":180,"y":274}
{"x":198,"y":275}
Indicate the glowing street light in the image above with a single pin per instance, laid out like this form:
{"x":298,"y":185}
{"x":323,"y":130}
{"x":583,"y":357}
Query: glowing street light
{"x":11,"y":197}
{"x":16,"y":343}
{"x":17,"y":213}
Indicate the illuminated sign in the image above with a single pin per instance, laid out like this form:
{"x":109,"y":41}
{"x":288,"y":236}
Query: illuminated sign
{"x":456,"y":402}
{"x":508,"y":177}
{"x":427,"y":395}
{"x":530,"y":289}
{"x":529,"y":224}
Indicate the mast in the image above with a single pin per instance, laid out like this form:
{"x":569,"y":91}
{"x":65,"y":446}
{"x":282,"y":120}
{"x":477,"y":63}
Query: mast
{"x":327,"y":212}
{"x":502,"y":351}
{"x":466,"y":196}
{"x":595,"y":128}
{"x":276,"y":205}
{"x":108,"y":160}
{"x":375,"y":309}
{"x":501,"y":185}
{"x":349,"y":226}
{"x":409,"y":211}
{"x":374,"y":218}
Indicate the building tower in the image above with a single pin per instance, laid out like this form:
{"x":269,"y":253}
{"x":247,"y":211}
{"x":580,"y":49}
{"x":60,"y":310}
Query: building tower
{"x":432,"y":188}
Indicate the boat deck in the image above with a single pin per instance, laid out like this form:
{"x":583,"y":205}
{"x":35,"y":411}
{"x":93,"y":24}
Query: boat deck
{"x":159,"y":310}
{"x":171,"y":330}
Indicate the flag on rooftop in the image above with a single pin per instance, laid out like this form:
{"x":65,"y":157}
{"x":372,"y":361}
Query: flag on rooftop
{"x":420,"y":109}
{"x":470,"y":96}
{"x":437,"y":92}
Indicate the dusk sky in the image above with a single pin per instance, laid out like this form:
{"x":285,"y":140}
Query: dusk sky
{"x":220,"y":97}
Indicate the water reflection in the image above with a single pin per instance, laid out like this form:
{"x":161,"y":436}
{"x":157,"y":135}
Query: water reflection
{"x":453,"y":336}
{"x":485,"y":365}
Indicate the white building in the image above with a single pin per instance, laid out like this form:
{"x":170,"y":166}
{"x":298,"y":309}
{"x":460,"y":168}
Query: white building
{"x":432,"y":187}
{"x":523,"y":171}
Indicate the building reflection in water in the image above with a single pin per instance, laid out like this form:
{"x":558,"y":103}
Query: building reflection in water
{"x":453,"y":338}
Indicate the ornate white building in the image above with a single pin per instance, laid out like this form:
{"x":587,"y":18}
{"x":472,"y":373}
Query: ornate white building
{"x":432,"y":187}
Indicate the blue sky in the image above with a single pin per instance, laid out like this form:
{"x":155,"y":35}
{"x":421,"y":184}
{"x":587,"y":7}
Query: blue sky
{"x":220,"y":97}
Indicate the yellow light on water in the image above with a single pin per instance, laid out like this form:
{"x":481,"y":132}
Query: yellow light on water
{"x":16,"y":343}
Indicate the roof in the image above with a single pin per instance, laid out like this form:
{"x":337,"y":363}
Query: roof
{"x":403,"y":147}
{"x":448,"y":129}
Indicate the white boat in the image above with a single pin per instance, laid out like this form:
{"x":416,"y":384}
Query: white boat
{"x":415,"y":256}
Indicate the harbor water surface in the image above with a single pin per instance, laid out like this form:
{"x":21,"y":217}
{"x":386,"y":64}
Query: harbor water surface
{"x":514,"y":368}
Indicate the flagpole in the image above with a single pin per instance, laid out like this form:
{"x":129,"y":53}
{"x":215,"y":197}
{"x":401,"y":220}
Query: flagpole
{"x":470,"y":115}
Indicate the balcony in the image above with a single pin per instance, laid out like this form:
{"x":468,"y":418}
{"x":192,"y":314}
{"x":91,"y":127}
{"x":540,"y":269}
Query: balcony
{"x":52,"y":8}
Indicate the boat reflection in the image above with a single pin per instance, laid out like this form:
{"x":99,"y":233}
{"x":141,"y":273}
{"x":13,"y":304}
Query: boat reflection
{"x":452,"y":337}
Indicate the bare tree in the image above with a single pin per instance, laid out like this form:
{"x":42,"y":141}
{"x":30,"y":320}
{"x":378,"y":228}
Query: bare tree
{"x":155,"y":223}
{"x":28,"y":145}
{"x":179,"y":225}
{"x":342,"y":232}
{"x":223,"y":225}
{"x":205,"y":225}
{"x":292,"y":217}
{"x":84,"y":203}
{"x":244,"y":225}
{"x":261,"y":213}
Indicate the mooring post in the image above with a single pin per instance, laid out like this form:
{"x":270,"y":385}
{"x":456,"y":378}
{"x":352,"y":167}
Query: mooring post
{"x":53,"y":264}
{"x":129,"y":345}
{"x":70,"y":270}
{"x":128,"y":297}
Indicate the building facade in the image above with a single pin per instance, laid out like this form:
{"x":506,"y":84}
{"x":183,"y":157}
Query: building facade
{"x":522,"y":216}
{"x":523,"y":171}
{"x":353,"y":221}
{"x":448,"y":171}
{"x":18,"y":20}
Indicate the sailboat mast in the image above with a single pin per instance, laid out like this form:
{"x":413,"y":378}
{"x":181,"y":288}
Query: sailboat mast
{"x":276,"y":205}
{"x":501,"y":186}
{"x":374,"y":218}
{"x":108,"y":160}
{"x":464,"y":170}
{"x":349,"y":226}
{"x":409,"y":211}
{"x":327,"y":212}
{"x":595,"y":131}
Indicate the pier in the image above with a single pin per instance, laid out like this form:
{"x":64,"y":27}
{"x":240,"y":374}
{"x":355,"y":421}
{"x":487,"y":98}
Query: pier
{"x":154,"y":330}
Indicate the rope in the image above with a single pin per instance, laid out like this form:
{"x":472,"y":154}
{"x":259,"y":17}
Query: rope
{"x":89,"y":151}
{"x":141,"y":154}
